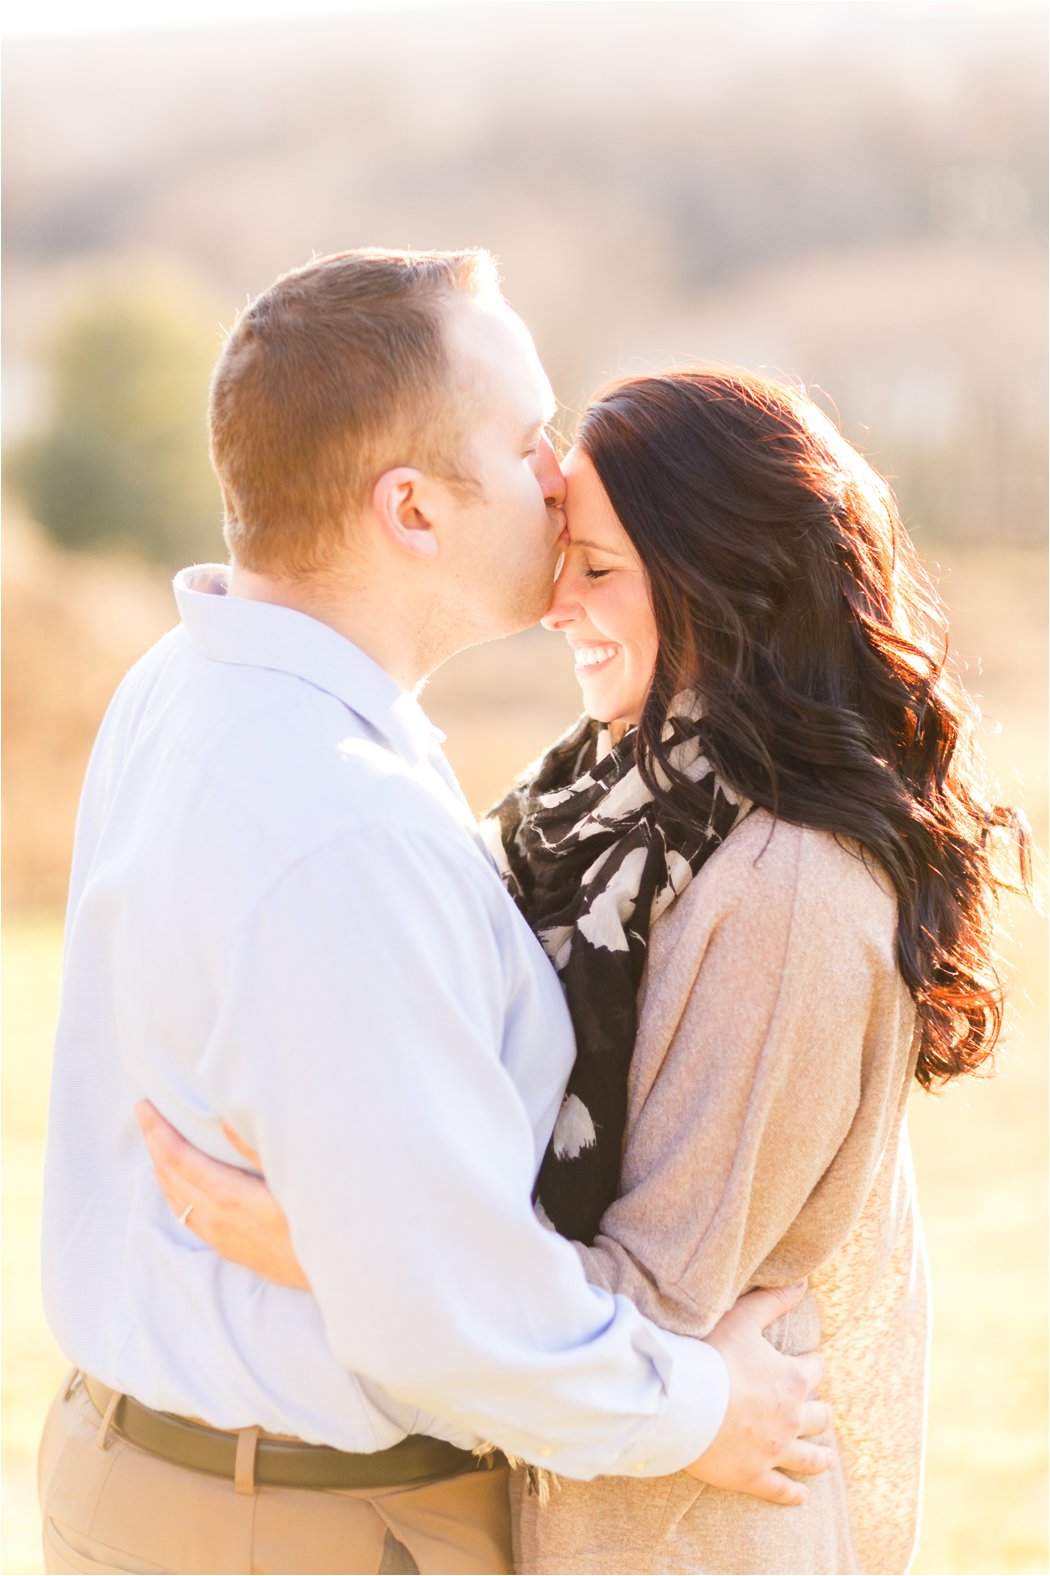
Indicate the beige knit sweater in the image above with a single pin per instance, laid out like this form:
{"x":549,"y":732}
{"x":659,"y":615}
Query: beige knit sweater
{"x":766,"y":1140}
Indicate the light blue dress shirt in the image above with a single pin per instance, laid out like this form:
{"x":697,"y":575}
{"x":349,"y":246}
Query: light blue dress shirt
{"x":281,"y":915}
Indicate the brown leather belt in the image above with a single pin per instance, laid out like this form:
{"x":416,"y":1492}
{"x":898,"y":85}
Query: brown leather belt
{"x":279,"y":1462}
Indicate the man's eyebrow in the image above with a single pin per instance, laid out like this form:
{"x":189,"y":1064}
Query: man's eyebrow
{"x":542,"y":421}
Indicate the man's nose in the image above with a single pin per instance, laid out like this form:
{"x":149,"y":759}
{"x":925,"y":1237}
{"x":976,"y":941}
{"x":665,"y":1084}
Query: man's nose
{"x":549,"y":474}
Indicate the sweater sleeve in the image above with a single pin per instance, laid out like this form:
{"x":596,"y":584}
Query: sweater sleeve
{"x":767,"y":1077}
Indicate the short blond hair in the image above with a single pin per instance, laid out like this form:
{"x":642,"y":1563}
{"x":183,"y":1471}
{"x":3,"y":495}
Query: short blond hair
{"x":337,"y":372}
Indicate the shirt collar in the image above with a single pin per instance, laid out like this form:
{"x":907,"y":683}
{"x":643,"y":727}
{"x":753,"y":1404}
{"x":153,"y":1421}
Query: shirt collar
{"x":258,"y":634}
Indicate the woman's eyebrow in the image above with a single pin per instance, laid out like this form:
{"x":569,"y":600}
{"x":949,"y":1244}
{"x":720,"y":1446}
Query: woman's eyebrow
{"x":596,"y":547}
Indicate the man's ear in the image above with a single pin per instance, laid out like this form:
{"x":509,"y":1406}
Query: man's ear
{"x":402,"y":501}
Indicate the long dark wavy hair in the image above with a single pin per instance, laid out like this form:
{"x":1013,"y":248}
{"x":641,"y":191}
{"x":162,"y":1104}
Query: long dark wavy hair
{"x":785,"y":586}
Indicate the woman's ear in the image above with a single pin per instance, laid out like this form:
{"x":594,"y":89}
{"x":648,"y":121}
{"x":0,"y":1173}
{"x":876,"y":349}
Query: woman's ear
{"x":402,"y":501}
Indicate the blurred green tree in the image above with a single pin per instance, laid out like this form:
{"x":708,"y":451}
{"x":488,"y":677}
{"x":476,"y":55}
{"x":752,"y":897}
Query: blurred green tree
{"x":122,"y":460}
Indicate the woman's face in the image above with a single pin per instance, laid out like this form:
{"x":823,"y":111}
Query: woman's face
{"x":601,"y":601}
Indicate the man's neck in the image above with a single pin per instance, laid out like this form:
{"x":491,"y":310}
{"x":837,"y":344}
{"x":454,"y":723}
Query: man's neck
{"x":382,"y":627}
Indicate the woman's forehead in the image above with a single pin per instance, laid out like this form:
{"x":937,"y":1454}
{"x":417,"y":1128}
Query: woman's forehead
{"x":590,"y":517}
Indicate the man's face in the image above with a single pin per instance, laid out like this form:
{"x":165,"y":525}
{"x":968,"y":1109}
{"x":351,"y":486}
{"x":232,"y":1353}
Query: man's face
{"x":503,"y":544}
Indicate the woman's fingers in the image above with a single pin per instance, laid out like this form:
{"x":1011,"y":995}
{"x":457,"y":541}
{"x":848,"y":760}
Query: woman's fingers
{"x":232,"y":1210}
{"x":179,"y":1164}
{"x":174,"y":1160}
{"x":164,"y":1144}
{"x":173,"y":1167}
{"x":187,"y":1177}
{"x":176,"y":1201}
{"x":237,"y":1142}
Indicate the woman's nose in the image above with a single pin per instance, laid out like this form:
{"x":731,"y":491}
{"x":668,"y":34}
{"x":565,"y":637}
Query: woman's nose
{"x":564,"y":609}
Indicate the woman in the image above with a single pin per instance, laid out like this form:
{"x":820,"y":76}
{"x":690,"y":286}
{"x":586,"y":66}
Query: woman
{"x":762,"y":866}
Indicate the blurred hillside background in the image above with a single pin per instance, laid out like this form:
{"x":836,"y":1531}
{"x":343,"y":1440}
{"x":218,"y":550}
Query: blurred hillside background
{"x":852,"y":194}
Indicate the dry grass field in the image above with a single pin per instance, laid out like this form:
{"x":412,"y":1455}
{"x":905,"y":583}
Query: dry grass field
{"x":981,"y":1149}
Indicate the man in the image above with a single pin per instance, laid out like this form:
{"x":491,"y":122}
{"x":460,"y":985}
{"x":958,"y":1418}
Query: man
{"x":281,"y":916}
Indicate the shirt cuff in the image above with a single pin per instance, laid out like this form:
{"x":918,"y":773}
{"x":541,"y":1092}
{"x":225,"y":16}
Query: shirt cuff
{"x":695,"y":1380}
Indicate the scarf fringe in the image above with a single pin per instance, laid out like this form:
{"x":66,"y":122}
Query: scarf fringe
{"x":538,"y":1480}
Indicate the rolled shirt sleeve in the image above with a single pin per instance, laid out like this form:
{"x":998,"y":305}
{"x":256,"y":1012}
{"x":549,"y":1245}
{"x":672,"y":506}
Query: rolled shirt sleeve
{"x":359,"y":1049}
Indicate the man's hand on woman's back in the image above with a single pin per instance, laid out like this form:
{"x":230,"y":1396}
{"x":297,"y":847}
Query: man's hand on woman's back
{"x":771,"y":1415}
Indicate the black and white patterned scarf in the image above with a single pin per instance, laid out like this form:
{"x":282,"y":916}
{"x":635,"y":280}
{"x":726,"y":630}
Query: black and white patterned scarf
{"x":591,"y":860}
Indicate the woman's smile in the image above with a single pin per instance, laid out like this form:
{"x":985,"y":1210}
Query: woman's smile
{"x":589,"y":656}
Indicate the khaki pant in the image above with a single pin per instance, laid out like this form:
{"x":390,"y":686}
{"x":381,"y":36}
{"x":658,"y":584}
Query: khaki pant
{"x":112,"y":1507}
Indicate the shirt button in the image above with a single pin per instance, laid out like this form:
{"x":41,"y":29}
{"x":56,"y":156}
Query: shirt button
{"x":639,"y":1466}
